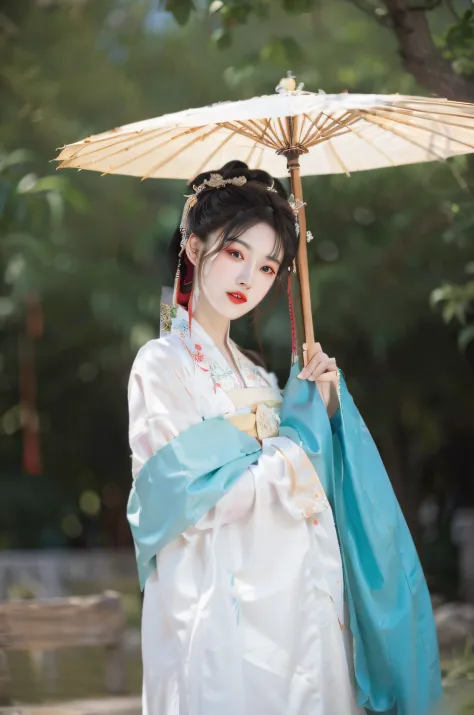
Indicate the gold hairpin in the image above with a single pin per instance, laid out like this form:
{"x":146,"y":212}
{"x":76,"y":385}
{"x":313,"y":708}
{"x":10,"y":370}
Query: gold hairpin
{"x":215,"y":181}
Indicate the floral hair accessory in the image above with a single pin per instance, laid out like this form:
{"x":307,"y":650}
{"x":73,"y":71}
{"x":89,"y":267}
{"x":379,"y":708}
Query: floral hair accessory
{"x":216,"y":181}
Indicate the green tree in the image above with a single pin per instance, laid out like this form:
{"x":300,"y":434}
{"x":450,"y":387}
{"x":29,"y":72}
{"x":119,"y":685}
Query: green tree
{"x":383,"y":240}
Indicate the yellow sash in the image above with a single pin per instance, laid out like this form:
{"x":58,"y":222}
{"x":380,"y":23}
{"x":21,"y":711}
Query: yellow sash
{"x":261,"y":421}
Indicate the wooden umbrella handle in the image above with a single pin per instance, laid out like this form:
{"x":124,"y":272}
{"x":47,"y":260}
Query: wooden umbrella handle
{"x":297,"y":190}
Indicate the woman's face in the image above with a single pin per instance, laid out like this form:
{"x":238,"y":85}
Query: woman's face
{"x":236,"y":279}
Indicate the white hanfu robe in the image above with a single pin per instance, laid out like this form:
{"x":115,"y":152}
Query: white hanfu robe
{"x":245,"y":613}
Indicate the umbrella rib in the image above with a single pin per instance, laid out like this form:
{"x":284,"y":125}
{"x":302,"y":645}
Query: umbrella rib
{"x":365,"y":139}
{"x":277,"y":143}
{"x":370,"y":120}
{"x":258,"y":142}
{"x":252,"y":134}
{"x":213,"y":153}
{"x":238,"y":130}
{"x":265,"y":129}
{"x":422,"y":128}
{"x":88,"y":141}
{"x":139,"y":141}
{"x":189,"y":130}
{"x":292,"y":126}
{"x":325,"y":121}
{"x":203,"y":137}
{"x":411,"y":113}
{"x":427,"y":111}
{"x":312,"y":123}
{"x":248,"y":126}
{"x":332,"y":129}
{"x":119,"y":137}
{"x":285,"y":138}
{"x":322,"y":135}
{"x":327,"y":138}
{"x":338,"y":158}
{"x":441,"y":101}
{"x":85,"y":165}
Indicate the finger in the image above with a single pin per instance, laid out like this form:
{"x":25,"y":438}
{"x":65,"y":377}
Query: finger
{"x":331,"y":373}
{"x":315,"y":348}
{"x":318,"y":370}
{"x":332,"y":365}
{"x":313,"y":363}
{"x":328,"y":377}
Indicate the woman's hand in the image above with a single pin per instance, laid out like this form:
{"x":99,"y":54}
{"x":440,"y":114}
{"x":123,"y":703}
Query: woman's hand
{"x":323,"y":369}
{"x":319,"y":366}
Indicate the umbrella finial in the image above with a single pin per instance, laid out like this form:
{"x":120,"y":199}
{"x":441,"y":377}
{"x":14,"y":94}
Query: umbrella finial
{"x":286,"y":84}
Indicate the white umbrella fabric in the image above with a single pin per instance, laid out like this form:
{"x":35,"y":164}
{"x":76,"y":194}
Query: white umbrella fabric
{"x":303,"y":133}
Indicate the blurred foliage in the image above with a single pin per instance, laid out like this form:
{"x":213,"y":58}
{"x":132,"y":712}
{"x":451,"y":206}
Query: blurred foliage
{"x":457,"y":42}
{"x":453,"y":25}
{"x":453,"y":35}
{"x":93,"y":248}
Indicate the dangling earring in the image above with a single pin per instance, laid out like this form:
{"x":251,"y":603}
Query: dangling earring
{"x":182,"y":245}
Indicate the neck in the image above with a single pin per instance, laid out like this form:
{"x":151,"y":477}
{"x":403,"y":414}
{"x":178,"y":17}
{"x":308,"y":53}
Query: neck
{"x":215,"y":324}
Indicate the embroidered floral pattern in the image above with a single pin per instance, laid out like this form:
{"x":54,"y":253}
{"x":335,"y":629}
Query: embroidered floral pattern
{"x":223,"y":375}
{"x":252,"y":373}
{"x":196,"y":354}
{"x":174,"y":320}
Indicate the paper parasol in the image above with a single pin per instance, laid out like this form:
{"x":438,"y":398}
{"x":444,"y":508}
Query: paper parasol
{"x":291,"y":131}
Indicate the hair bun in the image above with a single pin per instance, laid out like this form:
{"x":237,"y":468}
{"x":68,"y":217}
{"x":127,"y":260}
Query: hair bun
{"x":231,"y":166}
{"x":240,"y":168}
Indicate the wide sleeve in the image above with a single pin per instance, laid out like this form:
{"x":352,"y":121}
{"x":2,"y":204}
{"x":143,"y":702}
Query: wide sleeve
{"x":160,"y":401}
{"x":163,"y":403}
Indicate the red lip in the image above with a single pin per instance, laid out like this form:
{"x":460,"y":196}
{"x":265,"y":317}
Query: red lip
{"x":237,"y":297}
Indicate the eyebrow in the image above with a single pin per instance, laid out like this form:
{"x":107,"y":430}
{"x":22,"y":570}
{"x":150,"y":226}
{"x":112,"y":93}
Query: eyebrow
{"x":239,"y":240}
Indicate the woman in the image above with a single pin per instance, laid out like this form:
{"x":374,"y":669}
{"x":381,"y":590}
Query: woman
{"x":244,"y":602}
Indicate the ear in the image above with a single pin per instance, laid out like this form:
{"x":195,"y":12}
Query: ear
{"x":193,"y":247}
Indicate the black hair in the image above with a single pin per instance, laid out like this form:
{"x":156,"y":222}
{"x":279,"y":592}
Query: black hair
{"x":234,"y":209}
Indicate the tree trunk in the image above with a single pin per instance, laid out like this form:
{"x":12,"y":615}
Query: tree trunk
{"x":422,"y":58}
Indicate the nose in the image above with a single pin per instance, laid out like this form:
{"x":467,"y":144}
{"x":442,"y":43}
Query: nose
{"x":245,"y":278}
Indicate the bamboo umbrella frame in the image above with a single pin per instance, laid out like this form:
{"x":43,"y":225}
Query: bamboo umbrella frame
{"x":409,"y":119}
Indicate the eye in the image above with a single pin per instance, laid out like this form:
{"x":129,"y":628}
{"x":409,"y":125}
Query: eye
{"x":270,"y":270}
{"x":232,"y":253}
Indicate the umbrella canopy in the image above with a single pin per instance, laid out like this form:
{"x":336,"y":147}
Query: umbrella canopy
{"x":291,"y":131}
{"x":336,"y":133}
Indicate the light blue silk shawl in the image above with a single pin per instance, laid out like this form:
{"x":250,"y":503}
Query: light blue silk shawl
{"x":395,"y":645}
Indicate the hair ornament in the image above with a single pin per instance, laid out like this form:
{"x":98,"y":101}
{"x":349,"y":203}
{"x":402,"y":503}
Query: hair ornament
{"x":296,"y":204}
{"x":215,"y":181}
